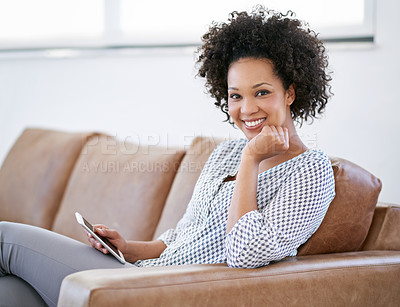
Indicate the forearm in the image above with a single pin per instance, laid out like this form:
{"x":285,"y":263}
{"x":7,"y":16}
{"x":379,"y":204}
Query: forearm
{"x":244,"y":197}
{"x":140,"y":250}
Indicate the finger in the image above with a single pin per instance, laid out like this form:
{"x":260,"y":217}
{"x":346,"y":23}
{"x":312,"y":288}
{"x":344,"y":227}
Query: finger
{"x":266,"y":130}
{"x":280,"y":131}
{"x":93,"y":242}
{"x":99,"y":226}
{"x":286,"y":131}
{"x":99,"y":230}
{"x":105,"y":232}
{"x":278,"y":134}
{"x":274,"y":130}
{"x":110,"y":234}
{"x":97,"y":245}
{"x":281,"y":134}
{"x":103,"y":249}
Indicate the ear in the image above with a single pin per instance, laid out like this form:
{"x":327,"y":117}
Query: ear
{"x":290,"y":94}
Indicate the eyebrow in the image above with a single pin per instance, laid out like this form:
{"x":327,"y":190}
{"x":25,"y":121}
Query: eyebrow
{"x":262,"y":83}
{"x":254,"y":86}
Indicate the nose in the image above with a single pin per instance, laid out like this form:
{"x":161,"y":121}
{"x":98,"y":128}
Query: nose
{"x":249,"y":106}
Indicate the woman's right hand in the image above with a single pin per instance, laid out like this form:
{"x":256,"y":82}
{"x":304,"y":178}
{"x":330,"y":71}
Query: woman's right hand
{"x":271,"y":141}
{"x":111,"y":235}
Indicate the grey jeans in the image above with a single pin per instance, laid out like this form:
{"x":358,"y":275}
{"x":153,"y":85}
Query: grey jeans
{"x":34,"y":262}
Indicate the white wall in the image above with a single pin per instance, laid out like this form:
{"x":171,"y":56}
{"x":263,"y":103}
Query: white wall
{"x":151,"y":96}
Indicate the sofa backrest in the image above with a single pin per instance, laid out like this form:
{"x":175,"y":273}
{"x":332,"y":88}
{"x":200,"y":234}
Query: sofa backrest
{"x":35,"y":173}
{"x":349,"y":216}
{"x":142,"y":191}
{"x":185,"y":180}
{"x":118,"y":184}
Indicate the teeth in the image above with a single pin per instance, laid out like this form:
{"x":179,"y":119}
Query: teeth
{"x":254,"y":123}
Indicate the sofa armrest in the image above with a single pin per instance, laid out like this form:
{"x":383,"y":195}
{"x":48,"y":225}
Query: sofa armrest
{"x":384,"y":233}
{"x":362,"y":278}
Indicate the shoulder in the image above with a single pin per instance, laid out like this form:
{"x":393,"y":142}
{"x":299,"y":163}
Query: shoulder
{"x":225,"y":156}
{"x":235,"y":144}
{"x":307,"y":178}
{"x":229,"y":148}
{"x":315,"y":157}
{"x":312,"y":165}
{"x":318,"y":162}
{"x":315,"y":166}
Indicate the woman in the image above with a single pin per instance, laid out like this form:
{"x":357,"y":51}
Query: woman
{"x":257,"y":199}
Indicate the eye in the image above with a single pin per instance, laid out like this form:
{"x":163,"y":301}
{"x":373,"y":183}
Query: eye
{"x":234,"y":96}
{"x":262,"y":93}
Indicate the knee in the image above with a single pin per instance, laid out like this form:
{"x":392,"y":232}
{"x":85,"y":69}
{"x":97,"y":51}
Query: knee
{"x":5,"y":226}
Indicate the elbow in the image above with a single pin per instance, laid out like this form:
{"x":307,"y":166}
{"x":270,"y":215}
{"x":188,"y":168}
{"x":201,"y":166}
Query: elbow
{"x":255,"y":257}
{"x":244,"y":260}
{"x":234,"y":258}
{"x":243,"y":264}
{"x":234,"y":262}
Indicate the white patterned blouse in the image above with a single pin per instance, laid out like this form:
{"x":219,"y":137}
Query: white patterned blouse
{"x":292,"y":200}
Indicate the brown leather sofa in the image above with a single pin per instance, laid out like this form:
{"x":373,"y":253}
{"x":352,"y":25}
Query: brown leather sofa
{"x":352,"y":260}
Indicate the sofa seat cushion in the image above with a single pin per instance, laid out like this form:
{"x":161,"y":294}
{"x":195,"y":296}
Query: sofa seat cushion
{"x":118,"y":184}
{"x":349,"y":279}
{"x":35,"y":173}
{"x":348,"y":219}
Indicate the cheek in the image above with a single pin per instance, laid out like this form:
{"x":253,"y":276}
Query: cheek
{"x":232,"y":110}
{"x":278,"y":106}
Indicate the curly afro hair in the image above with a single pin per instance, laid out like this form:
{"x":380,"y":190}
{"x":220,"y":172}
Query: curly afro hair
{"x":297,"y":55}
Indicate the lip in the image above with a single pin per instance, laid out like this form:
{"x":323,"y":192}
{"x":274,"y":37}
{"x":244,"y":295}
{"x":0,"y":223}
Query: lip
{"x":252,"y":120}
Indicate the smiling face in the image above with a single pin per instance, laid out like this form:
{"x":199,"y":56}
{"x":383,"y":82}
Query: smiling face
{"x":256,"y":96}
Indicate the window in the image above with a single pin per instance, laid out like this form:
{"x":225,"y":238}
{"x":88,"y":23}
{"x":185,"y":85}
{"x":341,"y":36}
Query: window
{"x":27,"y":23}
{"x":179,"y":21}
{"x":41,"y":24}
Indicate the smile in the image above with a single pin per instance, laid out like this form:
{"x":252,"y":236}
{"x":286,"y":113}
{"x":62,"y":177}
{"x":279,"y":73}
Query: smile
{"x":254,"y":123}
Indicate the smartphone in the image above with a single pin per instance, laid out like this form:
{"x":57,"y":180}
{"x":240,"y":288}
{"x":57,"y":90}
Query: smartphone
{"x":103,"y":241}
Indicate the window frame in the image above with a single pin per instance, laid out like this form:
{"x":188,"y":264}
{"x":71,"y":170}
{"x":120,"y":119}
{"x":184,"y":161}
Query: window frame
{"x":113,"y":37}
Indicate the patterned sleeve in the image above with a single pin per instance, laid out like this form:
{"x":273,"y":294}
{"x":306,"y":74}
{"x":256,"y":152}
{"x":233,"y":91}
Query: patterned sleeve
{"x":292,"y":216}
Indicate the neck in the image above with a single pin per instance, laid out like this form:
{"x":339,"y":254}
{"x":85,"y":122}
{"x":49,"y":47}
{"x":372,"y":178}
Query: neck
{"x":296,"y":145}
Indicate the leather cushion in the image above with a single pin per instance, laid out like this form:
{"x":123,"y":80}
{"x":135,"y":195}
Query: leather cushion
{"x":35,"y":173}
{"x":349,"y":216}
{"x":182,"y":189}
{"x":118,"y":184}
{"x":347,"y":279}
